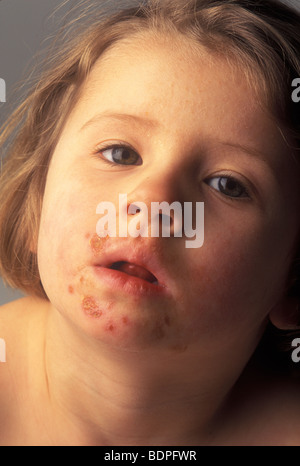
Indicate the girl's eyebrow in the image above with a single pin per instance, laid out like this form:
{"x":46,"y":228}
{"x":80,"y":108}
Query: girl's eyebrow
{"x":122,"y":117}
{"x":246,"y":149}
{"x":254,"y":153}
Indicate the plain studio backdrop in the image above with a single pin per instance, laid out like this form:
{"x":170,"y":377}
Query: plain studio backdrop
{"x":24,"y":25}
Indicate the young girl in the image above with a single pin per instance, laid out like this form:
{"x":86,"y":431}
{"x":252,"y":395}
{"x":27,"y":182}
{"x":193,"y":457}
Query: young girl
{"x":140,"y":340}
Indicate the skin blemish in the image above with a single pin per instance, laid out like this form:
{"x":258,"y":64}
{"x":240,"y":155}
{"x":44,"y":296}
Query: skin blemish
{"x":111,"y":328}
{"x":125,"y":320}
{"x":97,"y":243}
{"x":180,"y":348}
{"x":87,"y":235}
{"x":91,"y":308}
{"x":71,"y":289}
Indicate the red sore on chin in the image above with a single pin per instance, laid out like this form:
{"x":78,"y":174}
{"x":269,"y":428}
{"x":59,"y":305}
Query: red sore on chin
{"x":90,"y":307}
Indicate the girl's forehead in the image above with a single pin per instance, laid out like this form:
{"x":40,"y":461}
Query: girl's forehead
{"x":161,"y":82}
{"x":160,"y":50}
{"x":164,"y":71}
{"x":175,"y":63}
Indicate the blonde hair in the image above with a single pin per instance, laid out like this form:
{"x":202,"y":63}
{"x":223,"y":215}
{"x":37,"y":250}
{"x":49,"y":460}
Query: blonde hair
{"x":261,"y":36}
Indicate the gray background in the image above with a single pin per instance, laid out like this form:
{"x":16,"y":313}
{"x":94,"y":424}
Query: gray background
{"x":24,"y":24}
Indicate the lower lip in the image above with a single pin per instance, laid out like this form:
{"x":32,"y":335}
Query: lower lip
{"x":128,"y":283}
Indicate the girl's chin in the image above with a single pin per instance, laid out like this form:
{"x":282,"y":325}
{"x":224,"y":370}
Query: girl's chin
{"x":123,"y":327}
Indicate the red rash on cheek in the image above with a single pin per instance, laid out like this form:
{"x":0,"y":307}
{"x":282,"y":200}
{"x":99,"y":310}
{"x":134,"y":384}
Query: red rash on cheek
{"x":125,"y":320}
{"x":91,"y":308}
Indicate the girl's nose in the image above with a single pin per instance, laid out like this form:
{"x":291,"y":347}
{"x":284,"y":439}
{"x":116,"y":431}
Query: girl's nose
{"x":161,"y":198}
{"x":167,"y":183}
{"x":163,"y":218}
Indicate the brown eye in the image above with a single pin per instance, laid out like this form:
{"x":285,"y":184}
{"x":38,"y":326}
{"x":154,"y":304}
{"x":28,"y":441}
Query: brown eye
{"x":228,"y":186}
{"x":121,"y":155}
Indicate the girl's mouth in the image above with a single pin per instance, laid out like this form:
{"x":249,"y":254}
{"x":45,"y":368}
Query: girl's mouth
{"x":137,"y":270}
{"x":134,"y":270}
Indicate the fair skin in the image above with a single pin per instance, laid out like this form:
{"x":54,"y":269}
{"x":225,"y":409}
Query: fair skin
{"x":111,"y":365}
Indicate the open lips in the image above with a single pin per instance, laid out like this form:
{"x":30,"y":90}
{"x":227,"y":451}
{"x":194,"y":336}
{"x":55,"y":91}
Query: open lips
{"x":134,"y":270}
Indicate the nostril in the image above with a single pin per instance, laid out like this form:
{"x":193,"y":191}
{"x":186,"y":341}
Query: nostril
{"x":133,"y":209}
{"x":166,"y":219}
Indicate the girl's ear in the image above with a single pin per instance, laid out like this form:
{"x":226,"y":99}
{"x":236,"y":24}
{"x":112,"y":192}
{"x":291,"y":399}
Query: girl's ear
{"x":286,"y":314}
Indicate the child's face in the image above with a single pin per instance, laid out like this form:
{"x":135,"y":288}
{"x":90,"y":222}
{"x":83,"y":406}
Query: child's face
{"x":193,"y":121}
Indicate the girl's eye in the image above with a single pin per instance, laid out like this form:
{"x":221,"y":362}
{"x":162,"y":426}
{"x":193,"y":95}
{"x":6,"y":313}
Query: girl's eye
{"x":228,"y":186}
{"x":121,"y":155}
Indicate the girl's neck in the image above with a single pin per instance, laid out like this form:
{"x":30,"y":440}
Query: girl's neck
{"x":114,"y":397}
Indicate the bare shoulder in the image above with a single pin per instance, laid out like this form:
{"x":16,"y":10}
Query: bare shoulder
{"x":18,"y":321}
{"x":21,"y":311}
{"x":16,"y":318}
{"x":27,"y":304}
